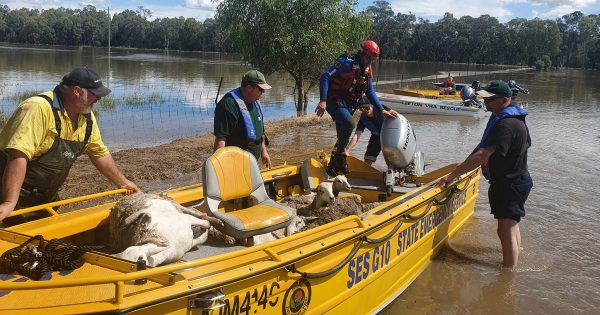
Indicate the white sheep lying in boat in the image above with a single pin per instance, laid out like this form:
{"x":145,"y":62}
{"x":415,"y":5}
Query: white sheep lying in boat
{"x":155,"y":229}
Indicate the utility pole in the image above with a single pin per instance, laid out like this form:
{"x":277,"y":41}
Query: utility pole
{"x":108,"y":75}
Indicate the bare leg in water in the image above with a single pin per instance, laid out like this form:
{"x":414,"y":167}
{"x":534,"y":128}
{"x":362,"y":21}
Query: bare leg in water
{"x":510,"y":237}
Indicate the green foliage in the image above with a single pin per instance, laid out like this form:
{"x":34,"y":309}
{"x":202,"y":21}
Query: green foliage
{"x":276,"y":35}
{"x":108,"y":103}
{"x":134,"y":99}
{"x":300,"y":37}
{"x":155,"y":98}
{"x":544,"y":63}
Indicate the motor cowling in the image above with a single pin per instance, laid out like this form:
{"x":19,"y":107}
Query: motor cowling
{"x":398,"y":142}
{"x":467,"y":93}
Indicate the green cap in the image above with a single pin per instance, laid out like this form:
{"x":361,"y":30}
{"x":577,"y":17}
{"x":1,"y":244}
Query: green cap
{"x":496,"y":87}
{"x":254,"y":77}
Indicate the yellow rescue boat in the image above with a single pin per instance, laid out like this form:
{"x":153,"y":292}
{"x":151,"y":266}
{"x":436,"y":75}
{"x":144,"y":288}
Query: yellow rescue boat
{"x":355,"y":265}
{"x":431,"y":94}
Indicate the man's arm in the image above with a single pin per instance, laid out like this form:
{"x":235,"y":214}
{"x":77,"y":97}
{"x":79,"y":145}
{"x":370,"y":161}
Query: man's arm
{"x":107,"y":166}
{"x":471,"y":162}
{"x":339,"y":66}
{"x":266,"y":159}
{"x":219,"y":143}
{"x":353,"y":141}
{"x":372,"y":96}
{"x":14,"y":174}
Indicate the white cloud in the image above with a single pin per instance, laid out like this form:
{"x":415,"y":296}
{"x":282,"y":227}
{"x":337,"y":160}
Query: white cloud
{"x":473,"y":8}
{"x":207,"y":5}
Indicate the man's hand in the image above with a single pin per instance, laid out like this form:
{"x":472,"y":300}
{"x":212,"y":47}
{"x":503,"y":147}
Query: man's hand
{"x":390,"y":113}
{"x":266,"y":159}
{"x":5,"y":209}
{"x":320,"y":110}
{"x":445,"y":181}
{"x":130,"y":186}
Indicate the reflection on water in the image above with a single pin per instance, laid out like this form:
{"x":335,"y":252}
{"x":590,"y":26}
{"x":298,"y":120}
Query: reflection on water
{"x":558,"y":272}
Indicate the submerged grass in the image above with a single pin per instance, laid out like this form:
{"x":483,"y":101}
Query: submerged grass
{"x":23,"y":95}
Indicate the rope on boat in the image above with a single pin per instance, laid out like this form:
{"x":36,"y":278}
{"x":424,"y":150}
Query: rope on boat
{"x":336,"y":268}
{"x":444,"y":201}
{"x":361,"y":239}
{"x":385,"y":237}
{"x":36,"y":256}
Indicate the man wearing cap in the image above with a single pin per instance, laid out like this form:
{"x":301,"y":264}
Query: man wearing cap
{"x":372,"y":119}
{"x":502,"y":154}
{"x":239,"y":120}
{"x":342,"y":86}
{"x":45,"y":135}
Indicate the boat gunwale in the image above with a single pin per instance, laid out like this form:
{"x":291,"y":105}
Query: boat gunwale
{"x":208,"y":260}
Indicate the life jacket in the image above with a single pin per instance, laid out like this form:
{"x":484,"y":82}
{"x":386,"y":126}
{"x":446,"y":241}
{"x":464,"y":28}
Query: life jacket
{"x":449,"y":83}
{"x":246,"y":117}
{"x":350,"y":85}
{"x":512,"y":110}
{"x":47,"y":173}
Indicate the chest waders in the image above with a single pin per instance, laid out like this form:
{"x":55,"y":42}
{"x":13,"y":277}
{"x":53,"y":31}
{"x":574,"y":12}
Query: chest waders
{"x":46,"y":174}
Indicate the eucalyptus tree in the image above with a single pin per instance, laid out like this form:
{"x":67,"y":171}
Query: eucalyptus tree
{"x":129,"y":29}
{"x":300,"y":37}
{"x":569,"y":27}
{"x":589,"y":30}
{"x":4,"y":10}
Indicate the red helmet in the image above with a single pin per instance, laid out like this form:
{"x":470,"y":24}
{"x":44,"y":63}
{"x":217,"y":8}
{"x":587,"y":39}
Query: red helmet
{"x":370,"y":47}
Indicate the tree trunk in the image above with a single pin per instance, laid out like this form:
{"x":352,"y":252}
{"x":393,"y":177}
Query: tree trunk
{"x":301,"y":95}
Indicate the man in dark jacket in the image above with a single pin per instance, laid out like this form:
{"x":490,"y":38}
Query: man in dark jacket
{"x":502,"y":153}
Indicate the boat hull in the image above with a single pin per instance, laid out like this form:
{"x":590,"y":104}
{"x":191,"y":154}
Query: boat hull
{"x":424,"y":106}
{"x":355,"y":265}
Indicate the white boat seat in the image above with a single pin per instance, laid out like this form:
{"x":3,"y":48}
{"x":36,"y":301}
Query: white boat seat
{"x":232,"y":173}
{"x":313,"y":173}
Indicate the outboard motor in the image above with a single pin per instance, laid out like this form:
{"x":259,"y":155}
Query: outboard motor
{"x":516,"y":88}
{"x":469,"y":97}
{"x":399,"y":144}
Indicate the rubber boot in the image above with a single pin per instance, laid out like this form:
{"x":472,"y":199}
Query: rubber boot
{"x":332,"y":166}
{"x":342,"y":164}
{"x":337,"y":165}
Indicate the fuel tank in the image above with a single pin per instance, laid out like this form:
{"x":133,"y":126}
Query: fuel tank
{"x":398,"y":142}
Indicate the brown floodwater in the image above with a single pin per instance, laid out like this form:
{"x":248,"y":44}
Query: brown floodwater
{"x":558,"y":271}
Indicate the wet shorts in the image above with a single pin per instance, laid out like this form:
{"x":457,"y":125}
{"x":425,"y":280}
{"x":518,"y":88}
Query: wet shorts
{"x":507,"y":199}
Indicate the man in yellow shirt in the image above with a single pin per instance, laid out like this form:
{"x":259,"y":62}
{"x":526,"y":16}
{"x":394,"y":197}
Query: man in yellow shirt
{"x":45,"y":135}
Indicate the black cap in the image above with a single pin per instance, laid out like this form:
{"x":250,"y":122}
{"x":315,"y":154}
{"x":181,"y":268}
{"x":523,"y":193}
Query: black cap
{"x":88,"y":79}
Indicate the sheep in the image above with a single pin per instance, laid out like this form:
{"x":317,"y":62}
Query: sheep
{"x":297,"y":224}
{"x":155,"y":229}
{"x":340,"y":183}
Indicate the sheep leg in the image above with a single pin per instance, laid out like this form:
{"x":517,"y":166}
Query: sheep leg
{"x":197,"y":214}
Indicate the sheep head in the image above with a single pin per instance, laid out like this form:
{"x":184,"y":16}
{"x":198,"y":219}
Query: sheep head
{"x":324,"y":194}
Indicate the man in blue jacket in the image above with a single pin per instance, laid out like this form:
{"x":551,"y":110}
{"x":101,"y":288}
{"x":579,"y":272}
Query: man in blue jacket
{"x":342,"y":86}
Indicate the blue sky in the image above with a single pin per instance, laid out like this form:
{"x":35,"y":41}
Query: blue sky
{"x":504,"y":10}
